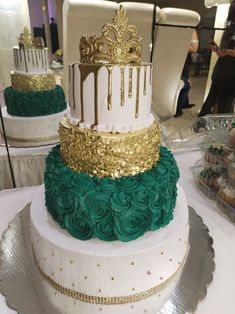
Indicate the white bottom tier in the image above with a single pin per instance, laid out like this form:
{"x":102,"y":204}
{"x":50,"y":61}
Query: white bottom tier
{"x":31,"y":130}
{"x":84,"y":276}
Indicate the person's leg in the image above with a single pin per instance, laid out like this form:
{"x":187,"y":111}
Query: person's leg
{"x":182,"y":98}
{"x":226,"y":97}
{"x":210,"y":101}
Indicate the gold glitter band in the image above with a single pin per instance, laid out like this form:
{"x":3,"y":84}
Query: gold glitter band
{"x":109,"y":300}
{"x":32,"y":82}
{"x":109,"y":154}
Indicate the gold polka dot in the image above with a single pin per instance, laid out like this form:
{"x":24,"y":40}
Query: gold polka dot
{"x":52,"y":254}
{"x":161,"y":278}
{"x":132,"y":306}
{"x":73,"y":285}
{"x":133,"y":289}
{"x":178,"y":263}
{"x":74,"y":302}
{"x":159,"y":295}
{"x":71,"y":262}
{"x":85,"y":277}
{"x":53,"y":274}
{"x":132,"y":263}
{"x":98,"y":265}
{"x":61,"y":269}
{"x":170,"y":259}
{"x":185,"y":243}
{"x":55,"y":293}
{"x":112,"y":278}
{"x":100,"y":309}
{"x":149,"y":272}
{"x":179,"y":239}
{"x":99,"y":290}
{"x":145,"y":311}
{"x":162,"y":253}
{"x":44,"y":259}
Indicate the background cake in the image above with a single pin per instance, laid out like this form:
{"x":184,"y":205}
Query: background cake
{"x":113,"y":187}
{"x":34,"y":103}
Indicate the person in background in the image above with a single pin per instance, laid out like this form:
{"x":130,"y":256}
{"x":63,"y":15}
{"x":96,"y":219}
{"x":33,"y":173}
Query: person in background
{"x":221,"y":96}
{"x":183,"y":100}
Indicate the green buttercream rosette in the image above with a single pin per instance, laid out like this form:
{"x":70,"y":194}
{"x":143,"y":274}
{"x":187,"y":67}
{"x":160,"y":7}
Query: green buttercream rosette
{"x":34,"y":104}
{"x":111,"y":209}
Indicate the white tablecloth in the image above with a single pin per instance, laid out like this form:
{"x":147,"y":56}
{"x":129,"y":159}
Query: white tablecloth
{"x":25,"y":162}
{"x":220,"y":297}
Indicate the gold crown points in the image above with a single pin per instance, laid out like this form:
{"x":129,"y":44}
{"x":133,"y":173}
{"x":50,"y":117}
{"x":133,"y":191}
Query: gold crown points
{"x":123,"y":49}
{"x":27,"y":41}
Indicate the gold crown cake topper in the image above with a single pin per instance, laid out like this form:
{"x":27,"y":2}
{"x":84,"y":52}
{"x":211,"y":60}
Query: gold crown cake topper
{"x":26,"y":40}
{"x":123,"y":49}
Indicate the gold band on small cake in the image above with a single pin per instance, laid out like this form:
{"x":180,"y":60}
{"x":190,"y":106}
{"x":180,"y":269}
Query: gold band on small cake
{"x":109,"y":154}
{"x":32,"y":82}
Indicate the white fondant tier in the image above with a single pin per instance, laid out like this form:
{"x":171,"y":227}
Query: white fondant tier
{"x":31,"y":129}
{"x":31,"y":61}
{"x":110,"y":98}
{"x":106,"y":269}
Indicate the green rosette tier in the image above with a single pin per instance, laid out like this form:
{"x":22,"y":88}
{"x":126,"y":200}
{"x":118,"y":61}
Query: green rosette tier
{"x":34,"y":103}
{"x":111,"y":209}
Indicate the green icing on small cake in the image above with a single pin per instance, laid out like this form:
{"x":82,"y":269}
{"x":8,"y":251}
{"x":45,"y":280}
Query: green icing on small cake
{"x":215,"y":150}
{"x":209,"y":174}
{"x":111,"y":209}
{"x":33,"y":104}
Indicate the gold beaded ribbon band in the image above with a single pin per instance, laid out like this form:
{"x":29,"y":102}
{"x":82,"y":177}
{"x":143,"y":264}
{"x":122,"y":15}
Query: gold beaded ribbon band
{"x":109,"y":154}
{"x":33,"y":139}
{"x":110,"y":300}
{"x":32,"y":82}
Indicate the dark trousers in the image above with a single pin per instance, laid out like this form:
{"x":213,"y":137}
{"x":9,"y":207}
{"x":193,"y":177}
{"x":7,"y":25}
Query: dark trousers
{"x":183,"y":100}
{"x":221,"y":95}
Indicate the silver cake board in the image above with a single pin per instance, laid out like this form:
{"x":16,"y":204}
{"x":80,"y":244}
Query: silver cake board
{"x":17,"y":267}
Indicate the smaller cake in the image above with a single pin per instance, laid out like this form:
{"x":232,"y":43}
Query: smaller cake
{"x":215,"y":153}
{"x":227,"y":194}
{"x":231,"y":171}
{"x":210,"y":178}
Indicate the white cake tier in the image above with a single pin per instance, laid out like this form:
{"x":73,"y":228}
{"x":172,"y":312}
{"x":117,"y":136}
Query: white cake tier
{"x":31,"y":129}
{"x":31,"y":61}
{"x":74,"y":273}
{"x":111,"y":98}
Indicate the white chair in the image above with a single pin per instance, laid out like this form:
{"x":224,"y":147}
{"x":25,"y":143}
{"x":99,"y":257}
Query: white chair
{"x":171,"y":46}
{"x":81,"y":17}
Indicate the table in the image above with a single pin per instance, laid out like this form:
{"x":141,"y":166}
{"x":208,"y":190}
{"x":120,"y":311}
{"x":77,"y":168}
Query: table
{"x":221,"y":292}
{"x":25,"y":162}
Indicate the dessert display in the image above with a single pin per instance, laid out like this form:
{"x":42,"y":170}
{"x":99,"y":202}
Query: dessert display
{"x":111,"y":235}
{"x":34,"y":103}
{"x":214,"y":174}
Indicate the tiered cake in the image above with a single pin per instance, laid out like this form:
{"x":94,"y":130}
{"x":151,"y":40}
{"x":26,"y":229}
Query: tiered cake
{"x":34,"y":103}
{"x":112,"y":184}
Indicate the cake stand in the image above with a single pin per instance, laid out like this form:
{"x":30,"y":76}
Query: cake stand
{"x":17,"y":267}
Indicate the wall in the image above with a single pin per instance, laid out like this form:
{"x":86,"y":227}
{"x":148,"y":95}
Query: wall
{"x":14,"y":16}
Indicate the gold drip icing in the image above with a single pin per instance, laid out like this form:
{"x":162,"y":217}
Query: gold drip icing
{"x":33,"y":82}
{"x":28,"y":55}
{"x":36,"y":58}
{"x":137,"y":93}
{"x":32,"y":57}
{"x":110,"y":68}
{"x":85,"y":70}
{"x":122,"y":47}
{"x":130,"y":81}
{"x":45,"y":57}
{"x":73,"y":91}
{"x":109,"y":154}
{"x":20,"y":56}
{"x":145,"y":78}
{"x":25,"y":61}
{"x":122,"y":69}
{"x":42,"y":58}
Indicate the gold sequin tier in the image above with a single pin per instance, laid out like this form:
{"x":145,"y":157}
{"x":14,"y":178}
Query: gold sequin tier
{"x":107,"y":154}
{"x":32,"y":82}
